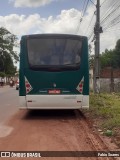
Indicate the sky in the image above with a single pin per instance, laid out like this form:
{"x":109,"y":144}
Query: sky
{"x":23,"y":17}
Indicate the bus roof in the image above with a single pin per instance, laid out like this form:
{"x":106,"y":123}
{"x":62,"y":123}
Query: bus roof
{"x":53,"y":35}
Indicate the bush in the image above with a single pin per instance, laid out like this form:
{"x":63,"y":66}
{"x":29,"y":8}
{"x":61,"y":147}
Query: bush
{"x":2,"y":74}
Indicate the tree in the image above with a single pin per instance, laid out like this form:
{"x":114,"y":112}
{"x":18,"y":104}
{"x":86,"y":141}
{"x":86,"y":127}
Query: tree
{"x":7,"y":54}
{"x":91,"y":57}
{"x":117,"y":47}
{"x":2,"y":74}
{"x":91,"y":61}
{"x":109,"y":58}
{"x":117,"y":52}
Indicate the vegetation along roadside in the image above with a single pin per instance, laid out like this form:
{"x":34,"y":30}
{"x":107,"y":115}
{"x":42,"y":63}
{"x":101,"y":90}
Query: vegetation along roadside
{"x":105,"y":113}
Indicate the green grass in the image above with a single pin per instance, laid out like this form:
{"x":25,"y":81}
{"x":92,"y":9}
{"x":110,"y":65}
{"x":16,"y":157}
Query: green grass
{"x":106,"y":107}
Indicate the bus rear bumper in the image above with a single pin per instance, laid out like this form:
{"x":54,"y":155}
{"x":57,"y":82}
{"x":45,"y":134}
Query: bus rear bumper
{"x":22,"y":102}
{"x":54,"y":102}
{"x":85,"y":102}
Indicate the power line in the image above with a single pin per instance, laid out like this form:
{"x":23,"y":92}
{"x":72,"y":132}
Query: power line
{"x":80,"y":20}
{"x":91,"y":34}
{"x":112,"y":30}
{"x":111,"y":23}
{"x":83,"y":13}
{"x":103,"y":2}
{"x":104,"y":18}
{"x":90,"y":22}
{"x":92,"y":2}
{"x":109,"y":15}
{"x":111,"y":7}
{"x":85,"y":8}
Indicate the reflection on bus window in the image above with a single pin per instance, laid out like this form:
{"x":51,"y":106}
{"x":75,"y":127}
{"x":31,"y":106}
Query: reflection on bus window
{"x":54,"y":51}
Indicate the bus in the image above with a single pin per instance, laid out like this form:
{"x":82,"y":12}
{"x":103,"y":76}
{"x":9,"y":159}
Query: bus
{"x":54,"y":72}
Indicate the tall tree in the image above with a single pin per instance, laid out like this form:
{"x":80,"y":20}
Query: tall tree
{"x":111,"y":58}
{"x":7,"y":54}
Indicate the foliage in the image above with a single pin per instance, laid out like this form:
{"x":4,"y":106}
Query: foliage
{"x":117,"y":52}
{"x":105,"y":114}
{"x":2,"y":74}
{"x":7,"y":55}
{"x":106,"y":107}
{"x":111,"y":58}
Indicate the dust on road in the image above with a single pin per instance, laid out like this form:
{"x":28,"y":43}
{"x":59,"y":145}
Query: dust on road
{"x":50,"y":130}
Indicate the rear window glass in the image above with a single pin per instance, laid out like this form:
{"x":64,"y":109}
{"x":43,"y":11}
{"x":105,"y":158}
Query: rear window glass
{"x":54,"y":51}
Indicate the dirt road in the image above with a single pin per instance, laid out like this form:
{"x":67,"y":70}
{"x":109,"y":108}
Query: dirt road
{"x":9,"y":102}
{"x":60,"y":130}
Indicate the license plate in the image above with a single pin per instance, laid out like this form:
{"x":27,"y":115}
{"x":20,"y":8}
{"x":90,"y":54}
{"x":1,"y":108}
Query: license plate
{"x":55,"y":91}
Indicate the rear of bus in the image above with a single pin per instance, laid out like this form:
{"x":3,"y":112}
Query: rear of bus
{"x":54,"y":72}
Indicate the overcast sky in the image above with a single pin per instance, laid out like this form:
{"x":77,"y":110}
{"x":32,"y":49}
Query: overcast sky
{"x":22,"y":17}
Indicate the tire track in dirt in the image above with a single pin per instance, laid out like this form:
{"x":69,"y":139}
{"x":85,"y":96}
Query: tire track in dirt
{"x":60,"y":130}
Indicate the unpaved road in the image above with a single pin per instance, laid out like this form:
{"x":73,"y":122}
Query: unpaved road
{"x":9,"y":102}
{"x":49,"y":130}
{"x":44,"y":130}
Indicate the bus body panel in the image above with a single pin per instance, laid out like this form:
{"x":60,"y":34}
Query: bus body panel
{"x":54,"y":102}
{"x":42,"y":82}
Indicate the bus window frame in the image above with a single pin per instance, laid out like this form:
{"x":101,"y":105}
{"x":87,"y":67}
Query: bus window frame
{"x":55,"y":68}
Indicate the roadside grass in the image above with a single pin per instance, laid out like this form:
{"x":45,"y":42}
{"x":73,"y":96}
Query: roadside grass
{"x":105,"y":111}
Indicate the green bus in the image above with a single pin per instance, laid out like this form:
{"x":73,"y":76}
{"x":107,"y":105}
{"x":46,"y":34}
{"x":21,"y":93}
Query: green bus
{"x":54,"y":72}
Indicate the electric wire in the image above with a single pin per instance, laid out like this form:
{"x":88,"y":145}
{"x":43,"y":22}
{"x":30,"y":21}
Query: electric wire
{"x":103,"y":2}
{"x":109,"y":10}
{"x":113,"y":25}
{"x":110,"y":14}
{"x":115,"y":17}
{"x":83,"y":13}
{"x":110,"y":19}
{"x":112,"y":22}
{"x":90,"y":22}
{"x":77,"y":29}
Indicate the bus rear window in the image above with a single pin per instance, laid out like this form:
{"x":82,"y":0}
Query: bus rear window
{"x":54,"y":52}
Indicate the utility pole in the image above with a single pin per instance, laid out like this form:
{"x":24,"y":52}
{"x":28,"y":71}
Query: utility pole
{"x":97,"y":31}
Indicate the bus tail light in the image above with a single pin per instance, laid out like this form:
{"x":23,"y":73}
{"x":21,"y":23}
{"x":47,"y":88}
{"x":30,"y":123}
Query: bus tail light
{"x":28,"y":86}
{"x":80,"y":85}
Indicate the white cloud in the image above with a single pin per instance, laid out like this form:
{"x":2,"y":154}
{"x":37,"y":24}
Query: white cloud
{"x":66,"y":22}
{"x":30,"y":3}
